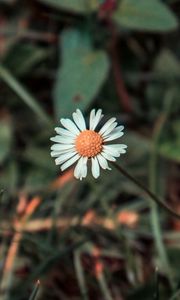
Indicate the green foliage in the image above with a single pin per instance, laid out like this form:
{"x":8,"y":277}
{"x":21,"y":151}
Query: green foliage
{"x":9,"y":177}
{"x":5,"y":138}
{"x":166,"y":69}
{"x":39,"y":157}
{"x":81,"y":74}
{"x":23,"y":57}
{"x":85,"y":54}
{"x":167,"y":65}
{"x":145,"y":15}
{"x":170,"y":147}
{"x":144,"y":292}
{"x":78,"y":6}
{"x":22,"y":92}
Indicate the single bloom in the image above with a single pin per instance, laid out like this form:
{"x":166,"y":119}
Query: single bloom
{"x":75,"y":143}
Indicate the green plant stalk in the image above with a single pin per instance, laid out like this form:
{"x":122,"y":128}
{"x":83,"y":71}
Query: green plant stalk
{"x":155,"y":221}
{"x":19,"y":89}
{"x":155,"y":215}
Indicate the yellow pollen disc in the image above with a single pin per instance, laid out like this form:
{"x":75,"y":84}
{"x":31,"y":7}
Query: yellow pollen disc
{"x":89,"y":143}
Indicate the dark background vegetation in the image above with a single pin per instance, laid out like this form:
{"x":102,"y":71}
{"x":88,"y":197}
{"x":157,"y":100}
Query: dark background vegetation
{"x":95,"y":239}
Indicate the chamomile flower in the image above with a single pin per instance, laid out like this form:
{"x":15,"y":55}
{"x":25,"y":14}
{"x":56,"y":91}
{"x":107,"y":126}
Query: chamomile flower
{"x":75,"y":143}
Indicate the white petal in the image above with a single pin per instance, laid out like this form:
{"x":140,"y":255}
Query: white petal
{"x":70,"y":162}
{"x":94,"y":119}
{"x":60,"y":152}
{"x":106,"y":125}
{"x":77,"y":170}
{"x":63,"y":157}
{"x":80,"y":170}
{"x":119,"y":147}
{"x":110,"y":129}
{"x":116,"y":133}
{"x":115,"y":150}
{"x":118,"y":128}
{"x":103,"y":162}
{"x":63,"y":139}
{"x":68,"y":124}
{"x":91,"y":118}
{"x":113,"y":136}
{"x":108,"y":156}
{"x":110,"y":150}
{"x":56,"y":153}
{"x":84,"y":173}
{"x":95,"y":167}
{"x":58,"y":147}
{"x":65,"y":132}
{"x":79,"y":119}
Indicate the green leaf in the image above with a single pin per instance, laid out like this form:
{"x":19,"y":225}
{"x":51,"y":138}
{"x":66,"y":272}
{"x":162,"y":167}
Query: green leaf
{"x":81,"y":75}
{"x":150,"y":15}
{"x":76,"y":6}
{"x":5,"y":139}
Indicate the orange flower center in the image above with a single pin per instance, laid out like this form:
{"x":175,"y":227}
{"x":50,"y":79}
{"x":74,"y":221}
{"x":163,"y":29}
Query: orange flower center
{"x":89,"y":143}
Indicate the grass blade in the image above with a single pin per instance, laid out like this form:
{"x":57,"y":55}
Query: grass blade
{"x":35,"y":291}
{"x":18,"y":88}
{"x":156,"y":294}
{"x":80,"y":275}
{"x":104,"y":287}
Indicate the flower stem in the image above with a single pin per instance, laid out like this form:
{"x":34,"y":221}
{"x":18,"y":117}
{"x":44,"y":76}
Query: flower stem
{"x":146,"y":190}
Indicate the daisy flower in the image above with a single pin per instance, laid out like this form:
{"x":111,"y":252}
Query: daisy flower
{"x":75,"y":143}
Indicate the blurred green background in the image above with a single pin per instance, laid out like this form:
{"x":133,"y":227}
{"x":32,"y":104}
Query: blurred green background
{"x":96,"y":239}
